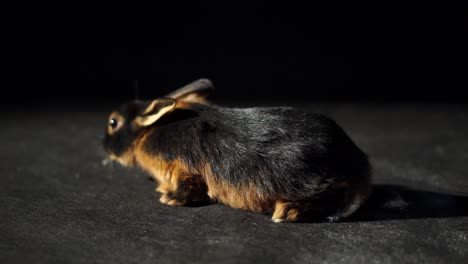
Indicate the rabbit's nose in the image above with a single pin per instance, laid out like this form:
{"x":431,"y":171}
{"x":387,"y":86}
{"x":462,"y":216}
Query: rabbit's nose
{"x":105,"y":162}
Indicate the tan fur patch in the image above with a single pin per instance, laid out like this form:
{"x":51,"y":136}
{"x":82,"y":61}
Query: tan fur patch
{"x":242,"y":197}
{"x":127,"y":159}
{"x":278,"y":214}
{"x":285,"y":212}
{"x":188,"y":101}
{"x":158,"y":108}
{"x":168,"y":174}
{"x":293,"y":215}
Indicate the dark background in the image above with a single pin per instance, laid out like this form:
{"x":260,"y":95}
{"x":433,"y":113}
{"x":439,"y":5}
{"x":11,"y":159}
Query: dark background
{"x":59,"y":203}
{"x":367,"y":51}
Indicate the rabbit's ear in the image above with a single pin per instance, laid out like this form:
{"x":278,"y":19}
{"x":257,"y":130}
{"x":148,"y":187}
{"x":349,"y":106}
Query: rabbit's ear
{"x":155,"y":110}
{"x":194,"y":92}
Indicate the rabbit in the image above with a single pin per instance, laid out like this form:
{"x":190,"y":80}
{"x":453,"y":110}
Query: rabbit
{"x":280,"y":161}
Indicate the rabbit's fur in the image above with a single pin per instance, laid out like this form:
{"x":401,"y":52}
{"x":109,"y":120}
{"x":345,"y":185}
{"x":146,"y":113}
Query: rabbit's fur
{"x":277,"y":160}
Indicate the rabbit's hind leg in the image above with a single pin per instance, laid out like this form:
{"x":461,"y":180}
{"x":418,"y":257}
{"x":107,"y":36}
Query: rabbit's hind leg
{"x":286,"y":211}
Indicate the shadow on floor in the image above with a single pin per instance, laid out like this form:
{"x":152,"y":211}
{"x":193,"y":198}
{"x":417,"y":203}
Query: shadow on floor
{"x":389,"y":202}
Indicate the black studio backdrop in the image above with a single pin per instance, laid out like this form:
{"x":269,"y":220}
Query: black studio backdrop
{"x":371,"y":51}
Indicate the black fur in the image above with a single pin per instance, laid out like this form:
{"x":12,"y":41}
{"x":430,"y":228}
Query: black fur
{"x":282,"y":151}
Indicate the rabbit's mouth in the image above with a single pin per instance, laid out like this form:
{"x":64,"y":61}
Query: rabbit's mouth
{"x":123,"y":160}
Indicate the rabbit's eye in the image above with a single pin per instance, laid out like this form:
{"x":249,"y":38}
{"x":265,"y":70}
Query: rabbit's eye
{"x":113,"y":123}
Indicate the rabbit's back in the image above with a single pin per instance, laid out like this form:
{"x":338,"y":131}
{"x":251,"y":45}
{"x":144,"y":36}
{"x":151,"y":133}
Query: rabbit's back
{"x":271,"y":152}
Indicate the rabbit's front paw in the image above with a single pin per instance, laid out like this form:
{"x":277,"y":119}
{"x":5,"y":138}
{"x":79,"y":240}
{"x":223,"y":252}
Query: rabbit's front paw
{"x":171,"y":199}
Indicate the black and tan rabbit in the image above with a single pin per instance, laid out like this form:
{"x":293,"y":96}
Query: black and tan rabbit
{"x":276,"y":160}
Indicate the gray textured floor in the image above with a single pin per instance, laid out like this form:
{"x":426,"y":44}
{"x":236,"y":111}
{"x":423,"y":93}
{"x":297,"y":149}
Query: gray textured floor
{"x":58,"y":203}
